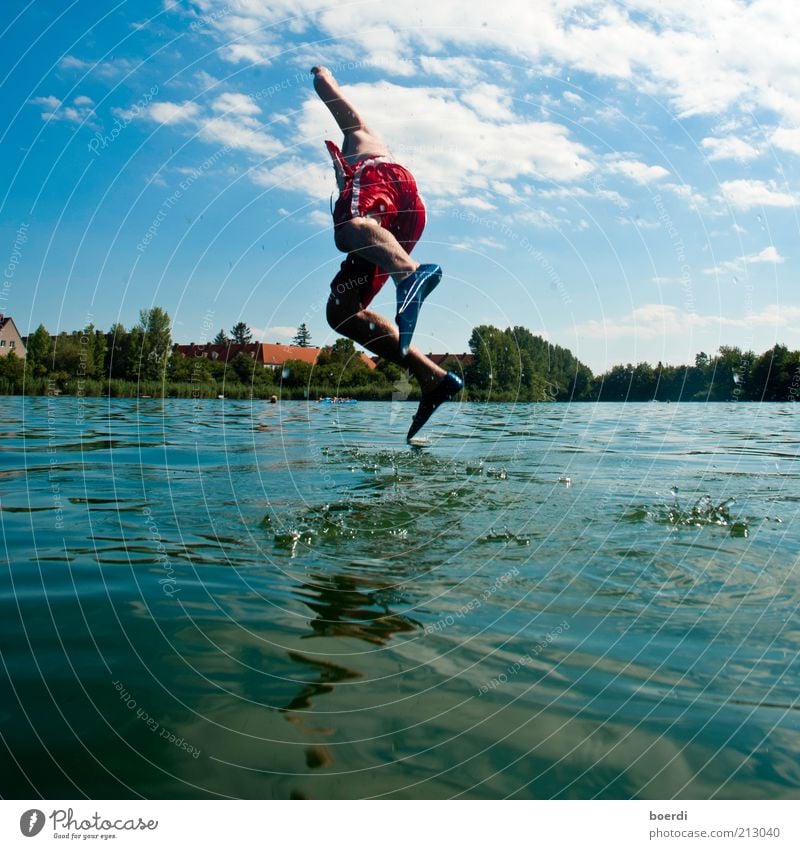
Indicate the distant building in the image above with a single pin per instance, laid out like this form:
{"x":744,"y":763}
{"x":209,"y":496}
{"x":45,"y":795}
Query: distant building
{"x":268,"y":355}
{"x":10,"y":340}
{"x":462,"y":359}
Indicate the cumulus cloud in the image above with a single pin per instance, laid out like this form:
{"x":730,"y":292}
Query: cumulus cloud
{"x":164,"y":112}
{"x":639,"y":172}
{"x":787,"y":138}
{"x":745,"y":194}
{"x":296,"y":175}
{"x":769,"y":254}
{"x":448,"y":145}
{"x":689,"y":53}
{"x":233,"y":103}
{"x":657,"y":321}
{"x":729,"y":148}
{"x":54,"y":109}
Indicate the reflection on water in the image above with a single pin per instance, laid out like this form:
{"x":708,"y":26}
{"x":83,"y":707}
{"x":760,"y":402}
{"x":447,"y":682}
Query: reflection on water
{"x":353,"y":606}
{"x":282,"y":601}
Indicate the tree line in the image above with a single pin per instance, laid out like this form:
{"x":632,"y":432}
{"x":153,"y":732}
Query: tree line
{"x":513,"y":364}
{"x":505,"y":365}
{"x":141,"y":360}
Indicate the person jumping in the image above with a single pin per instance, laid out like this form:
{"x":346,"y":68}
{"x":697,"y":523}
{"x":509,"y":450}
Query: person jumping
{"x":378,"y":219}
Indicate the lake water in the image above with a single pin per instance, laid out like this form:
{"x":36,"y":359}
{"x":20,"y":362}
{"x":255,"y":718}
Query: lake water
{"x":235,"y":599}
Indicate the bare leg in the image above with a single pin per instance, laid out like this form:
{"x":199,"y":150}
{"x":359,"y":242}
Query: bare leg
{"x":366,"y":238}
{"x":381,"y":337}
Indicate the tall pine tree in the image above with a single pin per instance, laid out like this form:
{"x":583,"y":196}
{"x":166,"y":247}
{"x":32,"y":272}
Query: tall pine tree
{"x":303,"y":336}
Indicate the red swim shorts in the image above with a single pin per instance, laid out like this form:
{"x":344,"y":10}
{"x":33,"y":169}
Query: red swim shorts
{"x":387,"y":192}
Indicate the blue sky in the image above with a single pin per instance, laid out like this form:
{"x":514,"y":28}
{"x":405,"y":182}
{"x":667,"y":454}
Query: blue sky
{"x":621,"y":178}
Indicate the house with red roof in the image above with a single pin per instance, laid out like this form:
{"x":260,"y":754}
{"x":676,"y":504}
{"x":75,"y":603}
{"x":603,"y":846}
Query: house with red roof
{"x":10,"y":340}
{"x":268,"y":355}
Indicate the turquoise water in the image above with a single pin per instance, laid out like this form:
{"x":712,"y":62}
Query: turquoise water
{"x":235,"y":599}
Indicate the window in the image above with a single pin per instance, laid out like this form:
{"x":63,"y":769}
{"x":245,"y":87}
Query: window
{"x":12,"y":344}
{"x":2,"y":343}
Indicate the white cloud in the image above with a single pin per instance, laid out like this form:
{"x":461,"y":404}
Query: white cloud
{"x":57,"y":110}
{"x":165,"y":112}
{"x":787,"y":138}
{"x":296,"y":175}
{"x":769,"y":254}
{"x":657,"y":321}
{"x":691,"y":54}
{"x":745,"y":194}
{"x":242,"y":134}
{"x":729,"y":148}
{"x":69,"y":62}
{"x":233,"y":103}
{"x":50,"y":101}
{"x":319,"y":219}
{"x":249,"y":53}
{"x":118,"y":67}
{"x":477,"y":203}
{"x":579,"y":192}
{"x":639,"y":172}
{"x":455,"y":69}
{"x":448,"y":146}
{"x":489,"y":101}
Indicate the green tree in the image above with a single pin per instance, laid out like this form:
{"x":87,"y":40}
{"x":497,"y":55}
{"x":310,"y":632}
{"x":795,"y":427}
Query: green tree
{"x":773,"y":374}
{"x":303,"y":336}
{"x":118,"y":353}
{"x":241,"y":334}
{"x":243,"y":367}
{"x":340,"y":366}
{"x":12,"y":372}
{"x":296,"y":373}
{"x":221,"y":338}
{"x":39,"y":357}
{"x":155,"y":348}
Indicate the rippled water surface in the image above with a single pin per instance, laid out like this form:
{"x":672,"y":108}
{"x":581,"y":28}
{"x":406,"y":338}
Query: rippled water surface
{"x":240,"y":599}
